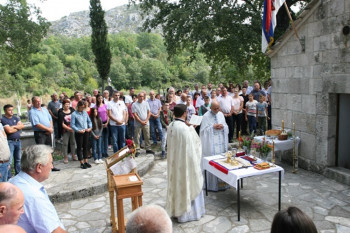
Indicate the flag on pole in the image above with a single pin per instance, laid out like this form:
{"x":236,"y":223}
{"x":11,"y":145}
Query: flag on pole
{"x":271,"y":8}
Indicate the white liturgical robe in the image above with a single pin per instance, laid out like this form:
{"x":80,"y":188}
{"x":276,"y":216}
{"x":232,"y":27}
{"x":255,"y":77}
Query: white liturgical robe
{"x":185,"y":198}
{"x":214,"y":142}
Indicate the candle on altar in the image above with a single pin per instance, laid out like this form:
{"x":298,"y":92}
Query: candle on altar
{"x":282,"y":125}
{"x":239,"y":135}
{"x":294,"y":128}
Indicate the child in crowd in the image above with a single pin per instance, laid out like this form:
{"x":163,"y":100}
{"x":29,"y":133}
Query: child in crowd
{"x":97,"y":130}
{"x":262,"y":114}
{"x":205,"y":107}
{"x":190,"y":109}
{"x":166,"y":117}
{"x":250,"y":113}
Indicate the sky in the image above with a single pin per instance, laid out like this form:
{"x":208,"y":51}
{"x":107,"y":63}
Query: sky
{"x":55,"y":9}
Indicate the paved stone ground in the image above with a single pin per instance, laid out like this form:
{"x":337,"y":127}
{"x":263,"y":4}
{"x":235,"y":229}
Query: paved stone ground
{"x":325,"y":201}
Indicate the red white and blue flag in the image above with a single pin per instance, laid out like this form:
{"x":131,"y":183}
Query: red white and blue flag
{"x":271,"y":8}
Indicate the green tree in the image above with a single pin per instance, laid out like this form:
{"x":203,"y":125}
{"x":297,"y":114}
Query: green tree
{"x":21,"y":30}
{"x":227,"y":31}
{"x":99,"y":41}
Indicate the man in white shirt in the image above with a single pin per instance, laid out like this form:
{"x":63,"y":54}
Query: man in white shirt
{"x":128,"y":98}
{"x":226,"y":107}
{"x":246,"y":85}
{"x":142,"y":113}
{"x":196,"y":90}
{"x":118,"y":115}
{"x":183,"y":99}
{"x":200,"y":99}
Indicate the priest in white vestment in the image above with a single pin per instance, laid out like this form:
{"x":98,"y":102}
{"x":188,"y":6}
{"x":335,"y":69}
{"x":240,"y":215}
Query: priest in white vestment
{"x":185,"y":199}
{"x":214,"y":138}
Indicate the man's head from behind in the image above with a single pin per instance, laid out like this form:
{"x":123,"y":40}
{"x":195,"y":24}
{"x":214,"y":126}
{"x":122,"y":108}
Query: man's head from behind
{"x":37,"y":161}
{"x":180,"y":110}
{"x":149,"y":219}
{"x":11,"y":203}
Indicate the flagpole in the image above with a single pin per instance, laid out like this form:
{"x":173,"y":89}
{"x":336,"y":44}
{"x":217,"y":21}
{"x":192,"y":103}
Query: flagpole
{"x":293,"y":26}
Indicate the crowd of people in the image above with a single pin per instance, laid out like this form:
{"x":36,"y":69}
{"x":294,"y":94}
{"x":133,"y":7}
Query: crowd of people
{"x":96,"y":122}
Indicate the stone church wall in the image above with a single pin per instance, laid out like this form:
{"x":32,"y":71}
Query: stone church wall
{"x":306,"y":83}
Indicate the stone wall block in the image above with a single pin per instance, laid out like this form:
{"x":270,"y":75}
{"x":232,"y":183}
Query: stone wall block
{"x":317,"y":71}
{"x":329,"y":25}
{"x":275,"y":62}
{"x":322,"y":42}
{"x":279,"y":115}
{"x":347,"y":7}
{"x":280,"y":73}
{"x":322,"y":127}
{"x":338,"y":39}
{"x":305,"y":122}
{"x":315,"y":85}
{"x":331,"y":56}
{"x":345,"y":54}
{"x":322,"y":103}
{"x":315,"y":58}
{"x":302,"y":59}
{"x":293,"y":46}
{"x":294,"y":102}
{"x":336,"y":7}
{"x":289,"y":60}
{"x":309,"y":45}
{"x":314,"y":29}
{"x":307,"y":146}
{"x":290,"y":72}
{"x":280,"y":86}
{"x":326,"y":104}
{"x":321,"y":12}
{"x":341,"y":83}
{"x":279,"y":100}
{"x":308,"y":104}
{"x":307,"y":71}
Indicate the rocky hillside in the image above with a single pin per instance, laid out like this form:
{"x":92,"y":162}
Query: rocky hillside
{"x":118,"y":19}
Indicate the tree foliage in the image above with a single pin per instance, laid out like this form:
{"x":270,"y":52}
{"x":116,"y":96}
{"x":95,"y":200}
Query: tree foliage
{"x":21,"y":30}
{"x":99,"y":40}
{"x":228,"y":32}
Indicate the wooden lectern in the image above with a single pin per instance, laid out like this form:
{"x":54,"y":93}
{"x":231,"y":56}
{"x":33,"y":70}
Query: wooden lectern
{"x":125,"y":186}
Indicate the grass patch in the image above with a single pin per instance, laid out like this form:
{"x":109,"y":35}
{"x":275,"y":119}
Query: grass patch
{"x":56,"y":156}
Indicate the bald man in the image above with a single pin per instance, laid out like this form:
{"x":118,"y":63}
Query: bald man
{"x":11,"y":203}
{"x":214,"y":137}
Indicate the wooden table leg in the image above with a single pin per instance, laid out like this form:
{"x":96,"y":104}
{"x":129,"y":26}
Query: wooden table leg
{"x":111,"y":203}
{"x":140,"y":200}
{"x":120,"y":211}
{"x":134,"y":203}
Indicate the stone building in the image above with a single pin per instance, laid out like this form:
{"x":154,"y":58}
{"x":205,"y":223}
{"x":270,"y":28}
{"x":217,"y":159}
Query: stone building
{"x":311,"y":86}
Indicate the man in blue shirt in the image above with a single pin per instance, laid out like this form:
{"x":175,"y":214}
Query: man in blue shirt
{"x":39,"y":213}
{"x":42,"y":124}
{"x":13,"y":127}
{"x":41,"y":121}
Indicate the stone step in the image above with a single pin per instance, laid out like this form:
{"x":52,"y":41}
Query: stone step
{"x":339,"y":174}
{"x":72,"y":182}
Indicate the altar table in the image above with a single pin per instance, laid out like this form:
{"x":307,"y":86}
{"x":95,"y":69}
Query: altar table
{"x":280,"y":145}
{"x":234,"y":177}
